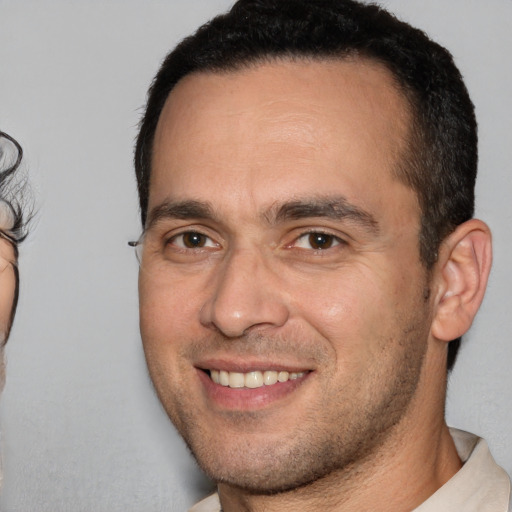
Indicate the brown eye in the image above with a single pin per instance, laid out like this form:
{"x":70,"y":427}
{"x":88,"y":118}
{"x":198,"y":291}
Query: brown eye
{"x":317,"y":241}
{"x":192,"y":240}
{"x":320,"y":241}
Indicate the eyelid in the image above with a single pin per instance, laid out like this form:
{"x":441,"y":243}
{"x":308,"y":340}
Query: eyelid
{"x":166,"y":237}
{"x":180,"y":230}
{"x":164,"y":231}
{"x":182,"y":246}
{"x":340,"y":240}
{"x":336,"y":240}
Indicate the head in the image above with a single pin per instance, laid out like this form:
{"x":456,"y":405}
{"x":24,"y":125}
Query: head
{"x":12,"y":232}
{"x":440,"y":163}
{"x":305,"y":169}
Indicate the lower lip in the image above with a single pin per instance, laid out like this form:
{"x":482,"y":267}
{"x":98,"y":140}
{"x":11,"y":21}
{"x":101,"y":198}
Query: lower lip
{"x":245,"y":399}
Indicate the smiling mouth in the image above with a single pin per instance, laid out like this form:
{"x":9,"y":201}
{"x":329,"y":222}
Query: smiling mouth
{"x":252,"y":380}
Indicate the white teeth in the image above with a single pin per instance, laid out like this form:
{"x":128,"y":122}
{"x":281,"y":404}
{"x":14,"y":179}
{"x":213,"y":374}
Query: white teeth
{"x":252,"y":380}
{"x":224,"y":378}
{"x":236,"y":380}
{"x":283,"y":376}
{"x":269,"y":378}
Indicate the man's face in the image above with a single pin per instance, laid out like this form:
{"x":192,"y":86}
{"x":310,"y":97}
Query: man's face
{"x":7,"y":290}
{"x":280,"y":247}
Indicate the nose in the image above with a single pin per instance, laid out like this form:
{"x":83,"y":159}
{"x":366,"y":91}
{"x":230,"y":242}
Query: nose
{"x":246,"y":294}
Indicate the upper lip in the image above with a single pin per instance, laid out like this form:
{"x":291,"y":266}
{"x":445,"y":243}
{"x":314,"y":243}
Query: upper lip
{"x":250,"y":365}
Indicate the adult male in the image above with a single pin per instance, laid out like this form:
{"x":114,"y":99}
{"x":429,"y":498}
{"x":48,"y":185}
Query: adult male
{"x":309,"y":259}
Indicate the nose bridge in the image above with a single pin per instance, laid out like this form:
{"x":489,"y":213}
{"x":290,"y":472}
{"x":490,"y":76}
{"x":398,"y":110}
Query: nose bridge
{"x":246,"y":294}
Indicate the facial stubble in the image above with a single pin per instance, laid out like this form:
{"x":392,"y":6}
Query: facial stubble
{"x":338,"y":435}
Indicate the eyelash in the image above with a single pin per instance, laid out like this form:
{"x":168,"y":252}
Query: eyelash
{"x":183,"y":246}
{"x":332,"y":241}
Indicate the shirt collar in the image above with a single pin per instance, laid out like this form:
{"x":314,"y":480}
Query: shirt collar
{"x":479,"y":486}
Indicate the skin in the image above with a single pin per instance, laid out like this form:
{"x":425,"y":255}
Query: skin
{"x":254,"y":161}
{"x":7,"y":290}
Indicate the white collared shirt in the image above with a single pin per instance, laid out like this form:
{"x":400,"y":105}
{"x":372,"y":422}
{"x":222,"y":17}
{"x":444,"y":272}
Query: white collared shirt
{"x":479,"y":486}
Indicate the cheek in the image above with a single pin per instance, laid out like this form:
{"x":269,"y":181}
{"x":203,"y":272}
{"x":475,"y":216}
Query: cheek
{"x":356,"y":311}
{"x":167,"y":313}
{"x":157,"y":327}
{"x":339,"y":301}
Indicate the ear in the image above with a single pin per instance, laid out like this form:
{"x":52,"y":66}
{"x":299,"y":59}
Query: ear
{"x":463,"y":268}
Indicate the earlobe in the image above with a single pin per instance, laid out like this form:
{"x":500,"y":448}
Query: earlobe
{"x":463,"y":270}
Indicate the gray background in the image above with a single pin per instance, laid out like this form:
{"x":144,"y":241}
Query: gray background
{"x":81,"y":428}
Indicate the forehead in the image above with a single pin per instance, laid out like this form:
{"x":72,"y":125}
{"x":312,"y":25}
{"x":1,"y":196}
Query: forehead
{"x":307,"y":123}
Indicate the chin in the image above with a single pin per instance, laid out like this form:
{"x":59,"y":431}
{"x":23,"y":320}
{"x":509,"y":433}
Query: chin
{"x":266,"y":467}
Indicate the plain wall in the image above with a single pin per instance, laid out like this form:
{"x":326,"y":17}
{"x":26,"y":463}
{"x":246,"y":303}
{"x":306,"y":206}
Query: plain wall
{"x":81,"y":427}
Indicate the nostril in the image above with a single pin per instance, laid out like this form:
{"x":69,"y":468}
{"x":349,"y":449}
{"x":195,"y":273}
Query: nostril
{"x":244,"y":296}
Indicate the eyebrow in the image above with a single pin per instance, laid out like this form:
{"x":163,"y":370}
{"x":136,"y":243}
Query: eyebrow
{"x":336,"y":208}
{"x":180,"y":210}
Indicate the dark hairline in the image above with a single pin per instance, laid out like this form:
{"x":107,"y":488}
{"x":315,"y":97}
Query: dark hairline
{"x":405,"y":93}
